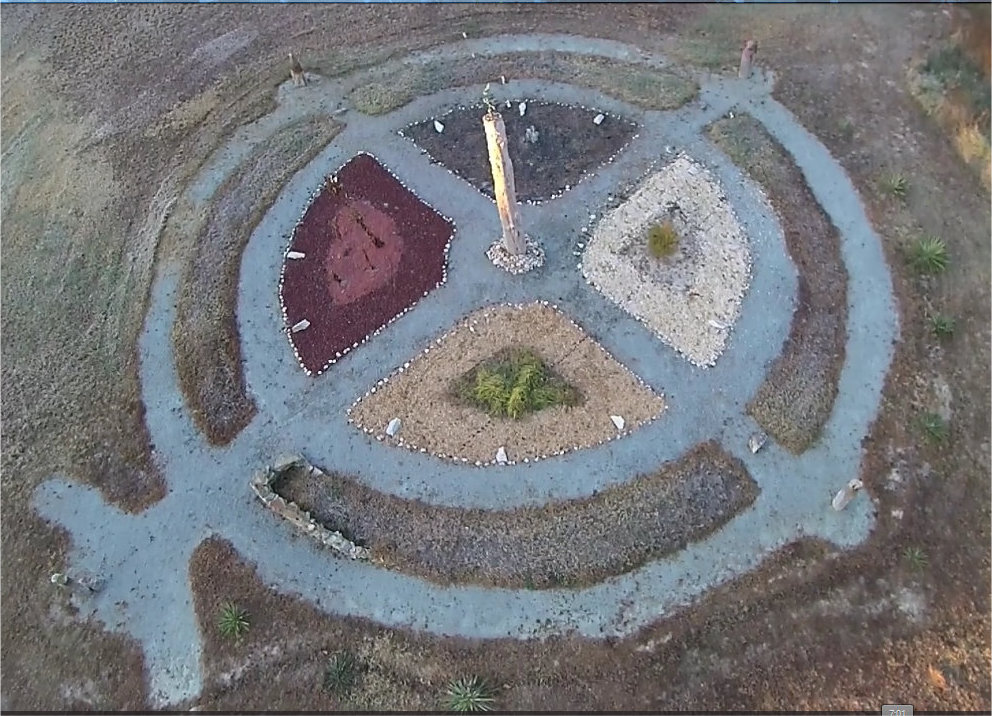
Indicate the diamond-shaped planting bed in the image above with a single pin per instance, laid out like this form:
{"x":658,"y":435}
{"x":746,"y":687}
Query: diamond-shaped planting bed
{"x":437,"y":421}
{"x":366,"y":250}
{"x":569,"y":145}
{"x":690,"y":298}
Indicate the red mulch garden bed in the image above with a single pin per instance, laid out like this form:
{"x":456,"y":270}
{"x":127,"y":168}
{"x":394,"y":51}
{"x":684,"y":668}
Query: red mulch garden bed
{"x":569,"y":145}
{"x":372,"y":250}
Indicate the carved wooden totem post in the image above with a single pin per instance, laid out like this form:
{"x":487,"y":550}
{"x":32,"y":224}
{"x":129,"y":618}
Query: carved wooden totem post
{"x":503,"y":186}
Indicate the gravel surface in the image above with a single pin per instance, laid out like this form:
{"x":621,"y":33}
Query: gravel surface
{"x":691,"y":299}
{"x":607,"y":534}
{"x":432,"y":420}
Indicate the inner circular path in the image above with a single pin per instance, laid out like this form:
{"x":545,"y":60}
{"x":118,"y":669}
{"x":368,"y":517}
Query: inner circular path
{"x":144,"y":557}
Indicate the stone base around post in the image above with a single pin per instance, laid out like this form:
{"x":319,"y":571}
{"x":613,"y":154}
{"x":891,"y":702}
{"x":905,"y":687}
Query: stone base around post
{"x":532,"y":258}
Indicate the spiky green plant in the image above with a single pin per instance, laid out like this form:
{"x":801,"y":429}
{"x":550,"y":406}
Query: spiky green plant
{"x":895,"y":185}
{"x":341,"y":672}
{"x":491,"y":391}
{"x":928,"y":254}
{"x":916,"y":558}
{"x":942,"y":326}
{"x":233,"y":621}
{"x":662,"y":239}
{"x":469,"y":694}
{"x":934,"y":427}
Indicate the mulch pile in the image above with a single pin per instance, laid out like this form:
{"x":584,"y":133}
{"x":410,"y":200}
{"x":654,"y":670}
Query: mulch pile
{"x":372,"y":249}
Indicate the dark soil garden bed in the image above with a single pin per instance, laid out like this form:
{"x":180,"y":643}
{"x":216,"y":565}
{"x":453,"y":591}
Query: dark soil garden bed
{"x":610,"y":533}
{"x":796,"y":398}
{"x":569,"y":145}
{"x":371,"y":250}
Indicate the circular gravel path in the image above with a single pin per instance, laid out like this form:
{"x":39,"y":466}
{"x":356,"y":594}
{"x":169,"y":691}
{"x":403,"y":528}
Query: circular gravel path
{"x":144,"y":557}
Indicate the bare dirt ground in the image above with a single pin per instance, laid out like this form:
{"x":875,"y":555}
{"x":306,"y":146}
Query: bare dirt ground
{"x":90,"y":150}
{"x":606,"y":387}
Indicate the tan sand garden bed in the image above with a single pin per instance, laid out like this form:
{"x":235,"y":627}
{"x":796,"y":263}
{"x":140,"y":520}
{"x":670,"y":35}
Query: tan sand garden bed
{"x":433,"y":420}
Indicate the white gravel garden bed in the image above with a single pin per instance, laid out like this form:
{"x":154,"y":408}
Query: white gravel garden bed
{"x":691,"y":298}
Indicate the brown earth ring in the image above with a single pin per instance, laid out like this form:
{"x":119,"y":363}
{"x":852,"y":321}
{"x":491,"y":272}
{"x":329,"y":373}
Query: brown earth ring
{"x":796,"y":398}
{"x":336,"y":329}
{"x":609,"y":533}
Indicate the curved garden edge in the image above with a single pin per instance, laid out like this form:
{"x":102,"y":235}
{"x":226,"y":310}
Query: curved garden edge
{"x":796,"y":398}
{"x":205,"y":335}
{"x":622,"y":528}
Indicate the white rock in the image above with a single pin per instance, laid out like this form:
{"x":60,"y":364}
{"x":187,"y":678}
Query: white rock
{"x":502,"y":78}
{"x":598,"y":119}
{"x":465,"y":35}
{"x":301,"y":326}
{"x":393,"y":427}
{"x":756,"y":442}
{"x":717,"y":325}
{"x":846,"y":494}
{"x":501,"y":455}
{"x":295,"y":255}
{"x":438,"y":126}
{"x":618,"y":421}
{"x":522,"y":107}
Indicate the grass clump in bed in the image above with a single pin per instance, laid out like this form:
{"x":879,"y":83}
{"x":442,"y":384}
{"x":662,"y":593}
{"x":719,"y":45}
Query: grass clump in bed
{"x":663,"y":240}
{"x":469,"y":694}
{"x":512,"y":384}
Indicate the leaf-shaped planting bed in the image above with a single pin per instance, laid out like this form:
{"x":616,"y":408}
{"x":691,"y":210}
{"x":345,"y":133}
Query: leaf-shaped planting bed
{"x":366,"y":250}
{"x":569,"y":145}
{"x":435,"y":420}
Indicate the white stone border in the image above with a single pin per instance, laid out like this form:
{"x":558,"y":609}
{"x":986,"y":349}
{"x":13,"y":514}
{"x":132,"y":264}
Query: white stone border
{"x":510,"y":103}
{"x":282,"y":272}
{"x":399,"y":442}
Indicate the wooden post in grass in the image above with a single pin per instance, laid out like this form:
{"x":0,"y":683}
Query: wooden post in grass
{"x":503,"y":186}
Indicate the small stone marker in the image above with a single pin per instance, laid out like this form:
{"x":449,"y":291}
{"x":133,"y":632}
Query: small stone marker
{"x":618,"y":421}
{"x":757,"y":441}
{"x":501,"y":455}
{"x":393,"y":427}
{"x":60,"y":579}
{"x":523,"y":108}
{"x":502,"y":78}
{"x":598,"y":119}
{"x":296,"y":255}
{"x":843,"y":498}
{"x":438,"y":127}
{"x":301,"y":326}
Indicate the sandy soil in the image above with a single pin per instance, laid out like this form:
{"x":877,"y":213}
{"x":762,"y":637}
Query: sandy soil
{"x":83,"y":85}
{"x":420,"y":395}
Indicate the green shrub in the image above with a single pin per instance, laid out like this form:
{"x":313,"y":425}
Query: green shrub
{"x":514,"y":383}
{"x":469,"y":694}
{"x":934,"y":427}
{"x":233,"y":621}
{"x":341,"y":673}
{"x":916,"y":558}
{"x":928,"y":254}
{"x":663,"y":240}
{"x":942,"y":326}
{"x":895,"y":185}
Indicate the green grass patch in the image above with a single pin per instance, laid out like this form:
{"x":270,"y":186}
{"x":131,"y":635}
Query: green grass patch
{"x":934,"y":427}
{"x":514,"y":383}
{"x":233,"y":621}
{"x":894,"y":185}
{"x":952,"y":70}
{"x":942,"y":326}
{"x":916,"y":558}
{"x":469,"y":694}
{"x":663,"y":240}
{"x":341,"y":673}
{"x":928,"y":255}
